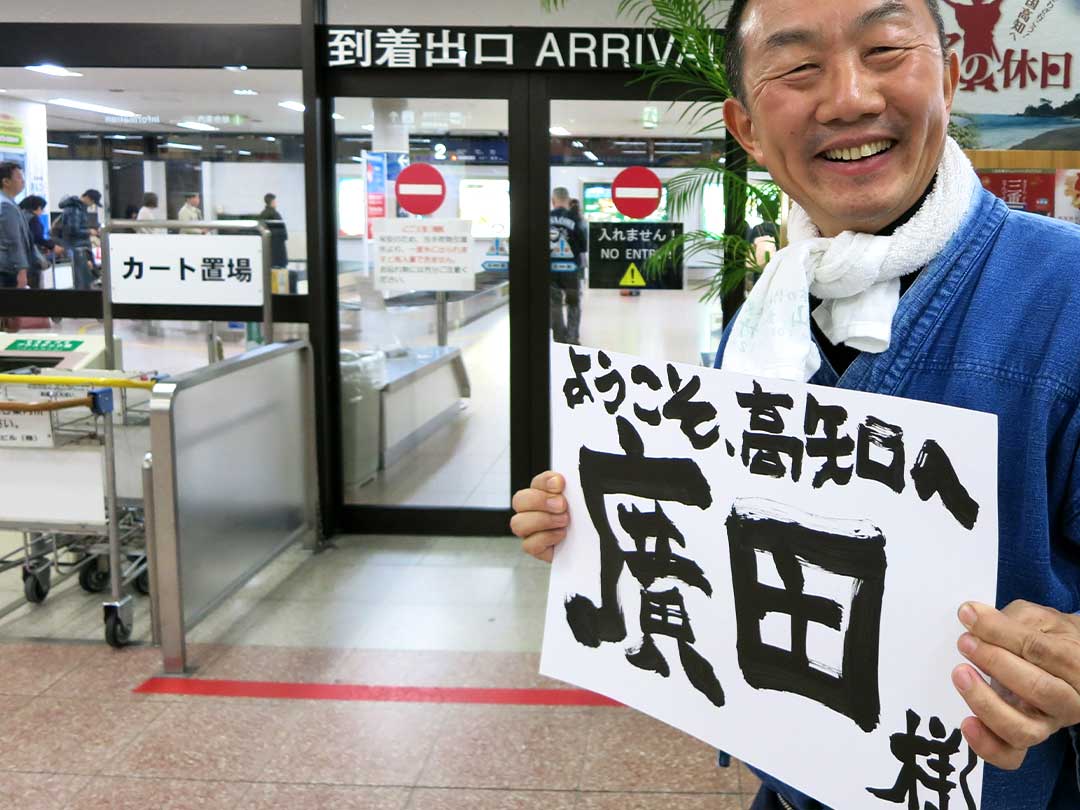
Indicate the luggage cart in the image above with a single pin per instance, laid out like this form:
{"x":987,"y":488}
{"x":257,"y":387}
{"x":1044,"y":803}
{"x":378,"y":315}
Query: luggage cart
{"x":58,"y":422}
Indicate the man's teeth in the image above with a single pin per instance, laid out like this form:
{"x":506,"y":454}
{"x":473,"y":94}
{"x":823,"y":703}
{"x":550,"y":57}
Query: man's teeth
{"x":858,"y":152}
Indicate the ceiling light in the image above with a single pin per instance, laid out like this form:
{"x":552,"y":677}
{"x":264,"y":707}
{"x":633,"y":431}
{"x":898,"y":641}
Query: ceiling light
{"x":126,"y":152}
{"x":635,"y":151}
{"x":590,"y":155}
{"x":368,"y":127}
{"x":559,"y":132}
{"x":270,"y":138}
{"x":337,"y":116}
{"x":190,"y":146}
{"x":52,"y":70}
{"x":58,"y":145}
{"x":117,"y":137}
{"x":358,"y":159}
{"x":236,"y":67}
{"x":98,"y":108}
{"x":242,"y":152}
{"x":296,"y":106}
{"x":2,"y":90}
{"x":687,"y":144}
{"x":577,"y":144}
{"x":197,"y":125}
{"x":629,"y":143}
{"x":245,"y":92}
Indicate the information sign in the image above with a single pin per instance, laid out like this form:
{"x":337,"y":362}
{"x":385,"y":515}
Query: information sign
{"x":193,"y":269}
{"x":420,"y":189}
{"x":43,"y":345}
{"x":636,"y":192}
{"x":416,"y":254}
{"x":618,"y":252}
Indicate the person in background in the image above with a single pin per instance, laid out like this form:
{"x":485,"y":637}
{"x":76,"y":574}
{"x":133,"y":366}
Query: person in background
{"x":33,"y":207}
{"x":17,"y":252}
{"x":150,"y":210}
{"x":190,"y":212}
{"x":575,"y":209}
{"x":567,"y":246}
{"x":76,"y":234}
{"x":279,"y":254}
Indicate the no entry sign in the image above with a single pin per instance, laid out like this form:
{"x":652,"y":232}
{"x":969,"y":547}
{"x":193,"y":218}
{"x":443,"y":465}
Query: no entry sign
{"x":636,"y":192}
{"x":420,"y":189}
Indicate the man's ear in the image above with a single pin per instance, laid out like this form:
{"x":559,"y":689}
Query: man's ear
{"x":951,"y":79}
{"x":738,"y":123}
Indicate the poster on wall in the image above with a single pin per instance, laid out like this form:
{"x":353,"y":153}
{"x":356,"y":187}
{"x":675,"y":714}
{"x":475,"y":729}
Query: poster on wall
{"x":24,"y":140}
{"x":1067,"y":195}
{"x":375,"y":167}
{"x":775,"y":568}
{"x":423,"y":254}
{"x":1019,"y":73}
{"x":1022,"y":191}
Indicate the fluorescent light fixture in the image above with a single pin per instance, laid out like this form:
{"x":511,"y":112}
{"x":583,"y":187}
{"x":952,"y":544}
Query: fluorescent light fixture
{"x":296,"y":106}
{"x":635,"y":151}
{"x":2,"y":90}
{"x":236,"y":67}
{"x":116,"y":137}
{"x":688,"y":144}
{"x":59,"y":145}
{"x":337,"y":116}
{"x":190,"y":146}
{"x":577,"y":144}
{"x":270,"y":138}
{"x":197,"y":125}
{"x":245,"y":92}
{"x":85,"y":105}
{"x":599,"y":163}
{"x":52,"y":70}
{"x":368,"y":127}
{"x":244,"y":152}
{"x":559,"y":132}
{"x":358,"y":159}
{"x":126,"y":152}
{"x":630,"y":143}
{"x":590,"y":155}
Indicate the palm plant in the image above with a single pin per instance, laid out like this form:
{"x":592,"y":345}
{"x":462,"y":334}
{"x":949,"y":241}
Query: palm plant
{"x":700,"y":79}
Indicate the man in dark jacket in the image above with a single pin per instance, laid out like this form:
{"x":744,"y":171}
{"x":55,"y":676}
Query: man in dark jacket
{"x":568,"y":244}
{"x":33,"y":207}
{"x":279,"y":255}
{"x":17,"y":253}
{"x":76,"y":233}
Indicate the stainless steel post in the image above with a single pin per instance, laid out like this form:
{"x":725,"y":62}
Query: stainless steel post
{"x":268,"y":293}
{"x":121,"y":605}
{"x":151,"y":544}
{"x":211,"y":343}
{"x":106,"y":299}
{"x":442,"y":326}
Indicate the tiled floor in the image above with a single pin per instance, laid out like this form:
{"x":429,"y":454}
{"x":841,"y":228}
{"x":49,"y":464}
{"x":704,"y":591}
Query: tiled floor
{"x":411,"y":611}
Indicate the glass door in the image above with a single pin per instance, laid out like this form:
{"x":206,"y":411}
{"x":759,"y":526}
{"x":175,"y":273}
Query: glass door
{"x":422,"y":193}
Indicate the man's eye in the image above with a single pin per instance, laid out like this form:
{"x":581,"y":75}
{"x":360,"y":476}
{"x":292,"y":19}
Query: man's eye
{"x":802,"y":68}
{"x":883,"y":49}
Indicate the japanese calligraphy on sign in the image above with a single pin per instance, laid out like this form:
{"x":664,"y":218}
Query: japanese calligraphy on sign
{"x":775,"y":568}
{"x":424,"y":254}
{"x":194,"y":269}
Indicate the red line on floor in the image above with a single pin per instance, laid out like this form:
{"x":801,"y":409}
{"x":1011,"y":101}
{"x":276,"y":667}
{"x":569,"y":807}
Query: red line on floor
{"x":360,"y":692}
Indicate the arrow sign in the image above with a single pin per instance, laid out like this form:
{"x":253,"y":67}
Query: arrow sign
{"x":636,"y":192}
{"x":420,"y":189}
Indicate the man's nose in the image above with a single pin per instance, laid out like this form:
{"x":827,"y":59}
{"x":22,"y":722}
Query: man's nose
{"x":851,"y":91}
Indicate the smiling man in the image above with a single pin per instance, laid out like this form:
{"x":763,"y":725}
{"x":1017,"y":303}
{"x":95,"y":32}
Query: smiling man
{"x":904,"y":277}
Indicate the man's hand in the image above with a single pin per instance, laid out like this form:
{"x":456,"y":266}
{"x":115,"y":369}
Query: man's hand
{"x":22,"y":280}
{"x":1032,"y":655}
{"x":542,"y":516}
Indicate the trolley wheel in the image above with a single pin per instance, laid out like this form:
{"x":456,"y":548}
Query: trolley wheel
{"x":116,"y":633}
{"x":92,"y":579}
{"x":36,"y":586}
{"x":142,"y":582}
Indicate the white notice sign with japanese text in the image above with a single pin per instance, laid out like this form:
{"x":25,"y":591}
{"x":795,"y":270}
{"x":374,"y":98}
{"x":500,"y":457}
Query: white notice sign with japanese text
{"x":423,"y":254}
{"x":776,"y":569}
{"x":195,"y":269}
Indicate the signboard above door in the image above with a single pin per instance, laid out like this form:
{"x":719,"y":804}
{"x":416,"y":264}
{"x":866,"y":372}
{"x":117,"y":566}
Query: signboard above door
{"x":422,"y":47}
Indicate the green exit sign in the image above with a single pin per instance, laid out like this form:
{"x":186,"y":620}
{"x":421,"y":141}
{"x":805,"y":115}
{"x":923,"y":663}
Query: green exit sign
{"x":43,"y":345}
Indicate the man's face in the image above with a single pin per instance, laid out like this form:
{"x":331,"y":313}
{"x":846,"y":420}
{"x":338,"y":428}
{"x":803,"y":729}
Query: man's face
{"x":848,"y":105}
{"x":15,"y":184}
{"x":193,"y":201}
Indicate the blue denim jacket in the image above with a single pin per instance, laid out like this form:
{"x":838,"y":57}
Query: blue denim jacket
{"x":993,"y":324}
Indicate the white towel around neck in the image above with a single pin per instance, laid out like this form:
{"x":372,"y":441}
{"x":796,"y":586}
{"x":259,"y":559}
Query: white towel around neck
{"x":857,"y":276}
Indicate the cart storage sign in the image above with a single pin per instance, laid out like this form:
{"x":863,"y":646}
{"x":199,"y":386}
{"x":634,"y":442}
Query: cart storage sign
{"x":186,"y":269}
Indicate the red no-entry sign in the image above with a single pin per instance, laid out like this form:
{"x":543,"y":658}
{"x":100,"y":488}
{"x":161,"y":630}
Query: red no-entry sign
{"x":420,"y":189}
{"x":636,"y":192}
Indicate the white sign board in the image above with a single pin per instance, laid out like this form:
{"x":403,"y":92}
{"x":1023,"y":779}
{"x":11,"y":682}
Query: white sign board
{"x":774,"y":568}
{"x":25,"y":429}
{"x":423,"y":254}
{"x":194,"y":269}
{"x":35,"y":477}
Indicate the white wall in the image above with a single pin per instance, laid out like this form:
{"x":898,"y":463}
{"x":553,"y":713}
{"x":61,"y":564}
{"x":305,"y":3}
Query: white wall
{"x":72,"y":177}
{"x":238,"y":188}
{"x":154,"y":180}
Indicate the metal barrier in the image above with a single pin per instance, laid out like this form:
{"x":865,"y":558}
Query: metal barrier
{"x":234,"y":481}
